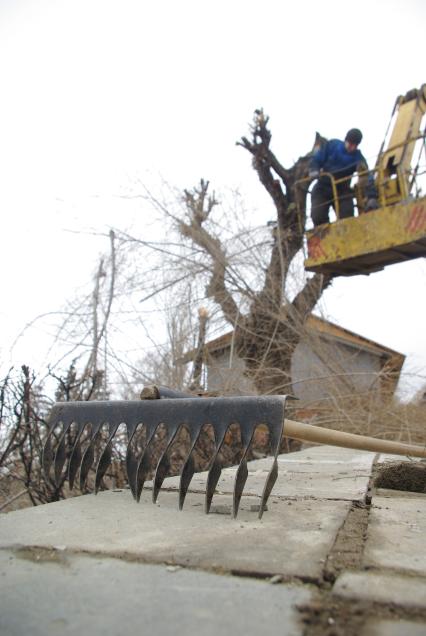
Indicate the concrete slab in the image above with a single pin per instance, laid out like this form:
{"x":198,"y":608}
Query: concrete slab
{"x":403,"y":591}
{"x":388,"y":492}
{"x":393,"y":628}
{"x":47,"y":593}
{"x":323,"y":472}
{"x":396,"y":534}
{"x":292,"y":539}
{"x":385,"y":458}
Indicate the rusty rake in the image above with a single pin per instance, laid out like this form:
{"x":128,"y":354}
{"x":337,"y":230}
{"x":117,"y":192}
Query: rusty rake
{"x":161,"y":406}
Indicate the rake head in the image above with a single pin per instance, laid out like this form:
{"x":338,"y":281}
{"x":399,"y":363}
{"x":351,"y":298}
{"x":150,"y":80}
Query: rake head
{"x":173,"y":411}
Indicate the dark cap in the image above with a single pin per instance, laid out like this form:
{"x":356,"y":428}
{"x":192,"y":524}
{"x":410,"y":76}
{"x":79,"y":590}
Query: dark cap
{"x":354,"y":136}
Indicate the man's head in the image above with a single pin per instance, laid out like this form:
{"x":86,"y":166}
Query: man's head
{"x":353,"y":139}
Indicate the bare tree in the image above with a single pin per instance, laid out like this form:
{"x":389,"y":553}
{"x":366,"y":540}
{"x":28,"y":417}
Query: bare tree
{"x":267,"y":333}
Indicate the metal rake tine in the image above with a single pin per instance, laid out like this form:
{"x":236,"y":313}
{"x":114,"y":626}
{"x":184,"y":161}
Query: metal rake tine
{"x":186,"y":476}
{"x":103,"y":463}
{"x":270,"y":482}
{"x":161,"y":471}
{"x":240,"y":482}
{"x":242,"y":471}
{"x":131,"y":461}
{"x":163,"y":465}
{"x":105,"y":458}
{"x":86,"y":463}
{"x":276,"y":434}
{"x":213,"y":477}
{"x":60,"y":457}
{"x":143,"y":465}
{"x":143,"y":469}
{"x":214,"y":473}
{"x":188,"y":469}
{"x":89,"y":455}
{"x":47,"y":457}
{"x":75,"y":459}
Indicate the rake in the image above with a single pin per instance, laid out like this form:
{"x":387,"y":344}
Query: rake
{"x":174,"y":410}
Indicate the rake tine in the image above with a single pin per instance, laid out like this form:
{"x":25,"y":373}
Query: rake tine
{"x":132,"y":460}
{"x":163,"y":465}
{"x":105,"y":458}
{"x":212,"y":480}
{"x":242,"y":471}
{"x":214,"y":473}
{"x":131,"y":464}
{"x":186,"y":476}
{"x":60,"y":457}
{"x":89,"y":455}
{"x":104,"y":461}
{"x":270,"y":482}
{"x":47,"y":457}
{"x":142,"y":472}
{"x":86,"y":463}
{"x":276,"y":433}
{"x":161,"y":471}
{"x":240,"y":481}
{"x":61,"y":454}
{"x":143,"y":466}
{"x":75,"y":459}
{"x":188,"y":469}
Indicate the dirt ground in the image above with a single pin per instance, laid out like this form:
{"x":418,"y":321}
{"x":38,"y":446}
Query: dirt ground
{"x":402,"y":476}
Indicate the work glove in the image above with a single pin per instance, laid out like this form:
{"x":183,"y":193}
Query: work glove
{"x":314,"y":174}
{"x":372,"y":204}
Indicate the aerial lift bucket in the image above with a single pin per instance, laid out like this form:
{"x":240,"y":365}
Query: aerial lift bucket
{"x":396,"y":231}
{"x":174,"y":410}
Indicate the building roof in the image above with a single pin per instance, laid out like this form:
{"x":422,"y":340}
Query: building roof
{"x":393,"y":360}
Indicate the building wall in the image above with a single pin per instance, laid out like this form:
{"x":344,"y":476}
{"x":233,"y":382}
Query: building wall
{"x":320,"y":367}
{"x":330,"y":368}
{"x":225,"y":378}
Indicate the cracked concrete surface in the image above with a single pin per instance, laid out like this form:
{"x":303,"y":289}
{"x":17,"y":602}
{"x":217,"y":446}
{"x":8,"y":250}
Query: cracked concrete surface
{"x":109,"y":563}
{"x":100,"y":595}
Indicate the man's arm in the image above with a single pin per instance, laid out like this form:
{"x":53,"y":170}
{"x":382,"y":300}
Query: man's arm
{"x":318,"y":160}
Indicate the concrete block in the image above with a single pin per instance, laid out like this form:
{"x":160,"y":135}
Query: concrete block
{"x":393,"y":628}
{"x":386,"y":458}
{"x":403,"y":591}
{"x":388,"y":492}
{"x":396,"y":534}
{"x":323,"y":472}
{"x":292,"y":539}
{"x":60,"y":593}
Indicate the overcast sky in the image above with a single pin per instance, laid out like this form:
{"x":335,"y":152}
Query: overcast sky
{"x":96,"y":93}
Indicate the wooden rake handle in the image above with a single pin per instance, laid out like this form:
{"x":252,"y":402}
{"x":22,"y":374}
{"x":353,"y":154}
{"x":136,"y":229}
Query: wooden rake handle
{"x":318,"y":435}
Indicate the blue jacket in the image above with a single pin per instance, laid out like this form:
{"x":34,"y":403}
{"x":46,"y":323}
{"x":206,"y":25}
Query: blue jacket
{"x":333,"y":157}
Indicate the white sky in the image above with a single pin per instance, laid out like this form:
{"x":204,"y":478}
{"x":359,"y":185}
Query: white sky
{"x":98,"y":92}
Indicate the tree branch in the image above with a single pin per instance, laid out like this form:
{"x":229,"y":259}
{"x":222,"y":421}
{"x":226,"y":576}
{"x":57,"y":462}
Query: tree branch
{"x":305,"y":301}
{"x":199,"y":205}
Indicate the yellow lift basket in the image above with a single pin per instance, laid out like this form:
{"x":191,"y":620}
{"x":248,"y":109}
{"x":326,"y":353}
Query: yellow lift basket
{"x":396,"y":231}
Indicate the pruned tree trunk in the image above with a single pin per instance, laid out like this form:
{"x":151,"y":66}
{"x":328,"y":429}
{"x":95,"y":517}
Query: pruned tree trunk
{"x":268,"y":333}
{"x":196,"y":384}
